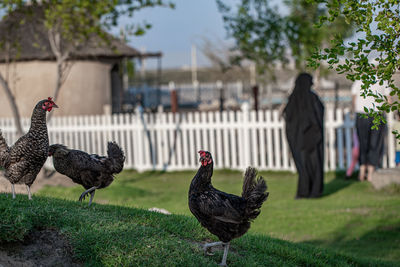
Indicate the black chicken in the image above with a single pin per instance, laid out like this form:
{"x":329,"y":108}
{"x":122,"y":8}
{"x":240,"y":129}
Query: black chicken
{"x":23,"y":161}
{"x":91,"y":171}
{"x":224,"y":215}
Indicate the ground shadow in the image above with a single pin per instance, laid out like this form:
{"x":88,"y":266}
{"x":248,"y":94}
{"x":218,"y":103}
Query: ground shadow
{"x":383,"y":241}
{"x":339,"y":182}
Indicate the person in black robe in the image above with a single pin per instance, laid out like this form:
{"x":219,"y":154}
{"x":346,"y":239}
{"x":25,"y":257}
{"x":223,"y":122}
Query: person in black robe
{"x":304,"y":115}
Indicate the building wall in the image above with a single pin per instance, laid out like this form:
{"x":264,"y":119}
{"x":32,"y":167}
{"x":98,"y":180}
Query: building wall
{"x":86,"y":91}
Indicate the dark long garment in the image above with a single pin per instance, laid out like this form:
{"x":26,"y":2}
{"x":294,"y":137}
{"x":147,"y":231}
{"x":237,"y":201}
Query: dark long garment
{"x":371,"y":141}
{"x":304,"y":114}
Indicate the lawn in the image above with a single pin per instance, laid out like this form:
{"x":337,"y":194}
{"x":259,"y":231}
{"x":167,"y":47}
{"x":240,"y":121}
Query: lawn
{"x":350,"y":218}
{"x":107,"y":235}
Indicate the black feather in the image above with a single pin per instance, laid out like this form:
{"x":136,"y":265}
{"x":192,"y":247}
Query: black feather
{"x":86,"y":169}
{"x":225,"y":215}
{"x":254,"y":191}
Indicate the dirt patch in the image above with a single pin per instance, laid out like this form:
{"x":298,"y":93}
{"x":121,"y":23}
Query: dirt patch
{"x":40,"y":248}
{"x":56,"y":180}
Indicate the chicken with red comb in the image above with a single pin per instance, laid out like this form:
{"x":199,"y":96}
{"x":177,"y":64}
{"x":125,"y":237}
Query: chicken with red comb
{"x":23,"y":160}
{"x":225,"y":215}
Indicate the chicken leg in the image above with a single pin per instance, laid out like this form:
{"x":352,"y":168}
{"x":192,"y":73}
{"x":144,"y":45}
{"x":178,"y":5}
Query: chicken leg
{"x":89,"y":191}
{"x":91,"y":197}
{"x":226,"y":249}
{"x":28,"y":188}
{"x":207,"y":246}
{"x":13,"y":191}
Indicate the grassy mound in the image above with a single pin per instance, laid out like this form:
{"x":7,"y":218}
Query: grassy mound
{"x":107,"y":235}
{"x":350,"y":218}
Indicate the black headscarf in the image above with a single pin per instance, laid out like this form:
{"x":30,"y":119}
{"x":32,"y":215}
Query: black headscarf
{"x":300,"y":98}
{"x":304,"y":113}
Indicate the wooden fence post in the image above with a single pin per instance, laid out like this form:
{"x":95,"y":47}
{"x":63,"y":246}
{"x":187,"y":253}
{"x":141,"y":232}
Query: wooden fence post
{"x":220,"y":89}
{"x":255,"y":97}
{"x":246,"y":137}
{"x":174,"y":97}
{"x":196,"y":88}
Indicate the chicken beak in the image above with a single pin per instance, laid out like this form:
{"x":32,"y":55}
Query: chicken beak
{"x":54,"y":105}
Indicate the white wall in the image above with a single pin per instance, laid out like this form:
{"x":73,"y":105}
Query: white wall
{"x":85,"y":92}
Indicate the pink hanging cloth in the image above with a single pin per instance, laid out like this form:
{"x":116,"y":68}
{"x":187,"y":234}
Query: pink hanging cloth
{"x":355,"y":152}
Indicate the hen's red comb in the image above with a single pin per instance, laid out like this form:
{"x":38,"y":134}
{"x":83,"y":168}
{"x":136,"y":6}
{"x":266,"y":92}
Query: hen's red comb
{"x":50,"y":98}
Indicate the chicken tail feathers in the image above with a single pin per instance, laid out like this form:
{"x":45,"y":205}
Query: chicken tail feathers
{"x":4,"y":150}
{"x":254,"y":191}
{"x":3,"y":143}
{"x":116,"y":157}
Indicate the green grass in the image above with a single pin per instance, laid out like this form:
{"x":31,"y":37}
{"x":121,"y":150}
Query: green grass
{"x":107,"y":235}
{"x":350,"y":218}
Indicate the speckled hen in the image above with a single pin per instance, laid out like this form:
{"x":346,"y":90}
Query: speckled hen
{"x":89,"y":170}
{"x":23,"y":160}
{"x":225,"y":215}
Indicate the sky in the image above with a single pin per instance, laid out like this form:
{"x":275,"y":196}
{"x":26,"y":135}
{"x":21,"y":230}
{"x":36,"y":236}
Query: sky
{"x":174,"y":31}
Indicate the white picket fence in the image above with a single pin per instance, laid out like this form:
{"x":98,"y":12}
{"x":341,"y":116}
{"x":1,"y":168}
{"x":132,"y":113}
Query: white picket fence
{"x":166,"y":141}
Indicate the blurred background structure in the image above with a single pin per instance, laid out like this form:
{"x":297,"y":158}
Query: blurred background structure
{"x":108,"y":85}
{"x":204,"y":94}
{"x":118,"y":77}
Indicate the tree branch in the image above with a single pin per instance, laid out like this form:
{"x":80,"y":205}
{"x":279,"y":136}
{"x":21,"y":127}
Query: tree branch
{"x":14,"y":107}
{"x":53,"y":43}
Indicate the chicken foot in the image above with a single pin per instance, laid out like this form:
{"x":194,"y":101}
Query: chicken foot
{"x":90,"y":191}
{"x":207,"y":246}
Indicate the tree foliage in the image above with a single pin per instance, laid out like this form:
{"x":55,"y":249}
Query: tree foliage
{"x":70,"y":25}
{"x":374,"y":56}
{"x":303,"y":36}
{"x":257,"y":29}
{"x":263,"y":35}
{"x":76,"y":20}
